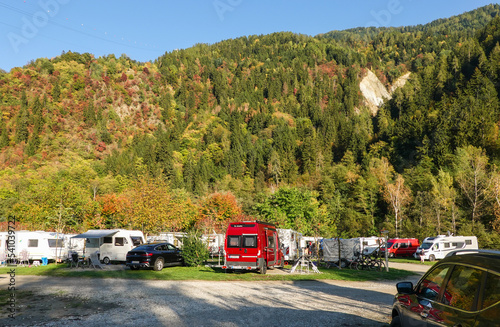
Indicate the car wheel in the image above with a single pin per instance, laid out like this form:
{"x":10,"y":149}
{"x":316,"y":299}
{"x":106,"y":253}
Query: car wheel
{"x":432,"y":258}
{"x":396,"y":322}
{"x":158,"y":264}
{"x":263,"y":269}
{"x":106,"y":261}
{"x":134,"y":268}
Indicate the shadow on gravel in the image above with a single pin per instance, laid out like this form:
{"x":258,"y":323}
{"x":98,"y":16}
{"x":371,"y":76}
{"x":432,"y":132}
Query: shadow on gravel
{"x":98,"y":302}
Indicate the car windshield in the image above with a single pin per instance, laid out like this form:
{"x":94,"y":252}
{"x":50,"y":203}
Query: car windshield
{"x":389,"y":245}
{"x":426,"y":245}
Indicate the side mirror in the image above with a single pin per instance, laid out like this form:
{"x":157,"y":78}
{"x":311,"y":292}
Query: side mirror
{"x":405,"y":287}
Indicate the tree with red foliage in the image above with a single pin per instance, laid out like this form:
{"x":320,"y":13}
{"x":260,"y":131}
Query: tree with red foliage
{"x":217,"y":211}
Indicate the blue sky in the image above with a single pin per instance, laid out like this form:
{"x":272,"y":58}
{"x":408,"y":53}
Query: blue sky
{"x":145,"y":30}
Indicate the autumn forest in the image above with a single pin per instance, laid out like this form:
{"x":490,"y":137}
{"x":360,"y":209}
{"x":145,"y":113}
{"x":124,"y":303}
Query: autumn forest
{"x":270,"y":127}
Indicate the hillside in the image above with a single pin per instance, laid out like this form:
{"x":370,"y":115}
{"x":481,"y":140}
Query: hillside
{"x":282,"y":127}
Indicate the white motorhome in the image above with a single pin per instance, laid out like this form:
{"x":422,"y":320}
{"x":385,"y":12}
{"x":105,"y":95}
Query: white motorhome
{"x":438,"y":247}
{"x":111,"y":244}
{"x":38,"y":244}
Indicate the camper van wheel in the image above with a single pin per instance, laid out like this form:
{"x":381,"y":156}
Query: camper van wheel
{"x":106,"y":261}
{"x":432,"y":258}
{"x":263,"y":269}
{"x":158,"y":264}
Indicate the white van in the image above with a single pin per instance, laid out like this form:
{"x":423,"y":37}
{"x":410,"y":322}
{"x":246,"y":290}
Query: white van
{"x":438,"y":247}
{"x":111,"y":244}
{"x":38,"y":244}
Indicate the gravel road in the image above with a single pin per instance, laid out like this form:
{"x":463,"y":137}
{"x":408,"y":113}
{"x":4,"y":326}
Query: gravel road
{"x":50,"y":301}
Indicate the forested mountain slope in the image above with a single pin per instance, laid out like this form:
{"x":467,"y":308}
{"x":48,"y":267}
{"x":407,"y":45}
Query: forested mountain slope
{"x":271,"y":126}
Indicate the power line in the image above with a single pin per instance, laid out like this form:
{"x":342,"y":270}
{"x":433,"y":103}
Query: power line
{"x":53,"y":22}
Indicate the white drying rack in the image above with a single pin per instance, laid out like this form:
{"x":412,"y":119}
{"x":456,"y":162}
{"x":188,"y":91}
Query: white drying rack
{"x":303,"y":265}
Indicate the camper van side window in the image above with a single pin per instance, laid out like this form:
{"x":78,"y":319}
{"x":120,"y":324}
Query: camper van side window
{"x":119,"y":241}
{"x":468,"y":242}
{"x":107,"y":240}
{"x":233,"y":241}
{"x":270,"y":242}
{"x":250,"y":241}
{"x":32,"y":243}
{"x":446,"y":245}
{"x":404,"y":245}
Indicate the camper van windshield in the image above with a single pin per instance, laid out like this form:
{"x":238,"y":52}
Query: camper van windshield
{"x":56,"y":243}
{"x":426,"y":245}
{"x":389,"y":244}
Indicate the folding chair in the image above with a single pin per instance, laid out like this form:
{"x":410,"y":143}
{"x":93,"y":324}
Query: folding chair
{"x":73,"y":259}
{"x":24,"y":258}
{"x":94,"y":261}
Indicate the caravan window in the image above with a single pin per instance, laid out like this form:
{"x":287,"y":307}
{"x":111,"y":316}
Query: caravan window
{"x":108,"y":240}
{"x":136,"y":240}
{"x":446,"y":245}
{"x":468,"y":242}
{"x":32,"y":243}
{"x":54,"y":242}
{"x":120,"y":241}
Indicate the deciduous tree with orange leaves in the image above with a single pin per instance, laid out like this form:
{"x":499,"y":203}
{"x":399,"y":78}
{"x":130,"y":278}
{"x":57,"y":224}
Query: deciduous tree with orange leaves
{"x":217,"y":211}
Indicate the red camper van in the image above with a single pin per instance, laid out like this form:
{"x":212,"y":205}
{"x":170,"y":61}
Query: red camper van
{"x":401,"y":247}
{"x":252,"y":245}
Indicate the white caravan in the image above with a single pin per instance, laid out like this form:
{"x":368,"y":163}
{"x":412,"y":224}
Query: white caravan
{"x":292,"y":243}
{"x":111,"y":244}
{"x":38,"y":244}
{"x":214,"y":242}
{"x":74,"y":244}
{"x":175,"y":238}
{"x":438,"y":247}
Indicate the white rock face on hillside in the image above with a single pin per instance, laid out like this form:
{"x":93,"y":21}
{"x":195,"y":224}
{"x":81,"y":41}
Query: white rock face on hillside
{"x":374,"y":91}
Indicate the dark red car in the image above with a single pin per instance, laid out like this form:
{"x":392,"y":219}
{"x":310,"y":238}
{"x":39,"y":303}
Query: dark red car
{"x":463,"y":289}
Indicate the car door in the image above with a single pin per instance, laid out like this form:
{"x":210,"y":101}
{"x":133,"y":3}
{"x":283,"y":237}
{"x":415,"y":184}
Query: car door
{"x":160,"y":252}
{"x":458,"y":302}
{"x":417,"y":307}
{"x":174,"y":253}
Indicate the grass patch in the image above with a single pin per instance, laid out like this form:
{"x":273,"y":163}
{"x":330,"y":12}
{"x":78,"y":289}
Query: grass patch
{"x":207,"y":273}
{"x":412,"y":260}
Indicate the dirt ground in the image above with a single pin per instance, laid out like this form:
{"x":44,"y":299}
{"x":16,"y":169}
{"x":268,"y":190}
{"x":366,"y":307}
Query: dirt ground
{"x":50,"y":301}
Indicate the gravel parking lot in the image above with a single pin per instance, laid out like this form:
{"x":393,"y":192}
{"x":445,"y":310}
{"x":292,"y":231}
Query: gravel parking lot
{"x":49,"y":301}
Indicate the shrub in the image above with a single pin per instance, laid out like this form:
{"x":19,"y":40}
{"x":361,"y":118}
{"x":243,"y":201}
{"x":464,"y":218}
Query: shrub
{"x":194,"y":250}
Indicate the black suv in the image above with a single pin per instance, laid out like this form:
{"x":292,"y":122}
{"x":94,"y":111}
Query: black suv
{"x":154,"y":255}
{"x":462,"y":289}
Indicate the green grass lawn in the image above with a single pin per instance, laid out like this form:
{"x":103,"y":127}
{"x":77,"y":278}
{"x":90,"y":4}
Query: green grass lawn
{"x":205,"y":273}
{"x":412,"y":260}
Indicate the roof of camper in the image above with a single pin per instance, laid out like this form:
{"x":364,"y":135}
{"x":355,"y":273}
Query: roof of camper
{"x":97,"y":233}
